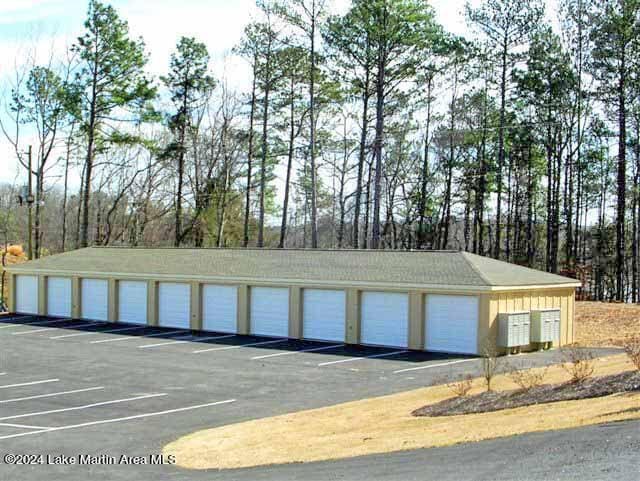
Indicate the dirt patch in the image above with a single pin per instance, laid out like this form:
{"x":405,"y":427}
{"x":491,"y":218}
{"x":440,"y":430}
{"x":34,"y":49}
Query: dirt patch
{"x":385,"y":424}
{"x":490,"y":401}
{"x":606,"y":324}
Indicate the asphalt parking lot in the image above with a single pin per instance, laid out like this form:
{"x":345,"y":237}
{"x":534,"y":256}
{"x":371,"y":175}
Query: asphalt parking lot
{"x":72,"y":387}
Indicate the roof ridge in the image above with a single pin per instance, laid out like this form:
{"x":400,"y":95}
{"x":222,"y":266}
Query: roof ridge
{"x":285,"y":249}
{"x":475,"y":268}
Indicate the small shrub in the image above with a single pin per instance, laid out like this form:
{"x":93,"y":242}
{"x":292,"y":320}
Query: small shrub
{"x":632,"y":348}
{"x":15,"y":250}
{"x":527,"y":379}
{"x":490,"y":364}
{"x":578,"y":363}
{"x":462,"y":386}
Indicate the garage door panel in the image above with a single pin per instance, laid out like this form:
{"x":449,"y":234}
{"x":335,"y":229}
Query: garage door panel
{"x":132,"y":302}
{"x":220,"y":308}
{"x":451,"y":324}
{"x":27,"y":294}
{"x":59,"y":296}
{"x":384,"y":318}
{"x":174,"y":305}
{"x":270,"y":311}
{"x":323,"y":314}
{"x":95,"y":299}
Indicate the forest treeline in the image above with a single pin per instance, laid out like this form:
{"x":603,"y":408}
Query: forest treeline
{"x":375,"y":128}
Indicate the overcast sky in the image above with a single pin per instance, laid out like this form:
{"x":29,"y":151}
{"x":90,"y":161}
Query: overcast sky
{"x":54,"y":24}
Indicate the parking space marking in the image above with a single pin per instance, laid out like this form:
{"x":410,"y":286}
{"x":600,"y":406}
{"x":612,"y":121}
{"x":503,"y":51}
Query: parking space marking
{"x":3,"y":320}
{"x":121,"y":329}
{"x":32,"y":383}
{"x":373,"y":356}
{"x":86,"y":406}
{"x":433,"y":365}
{"x":128,"y":338}
{"x":33,"y":331}
{"x":39,"y":323}
{"x":52,"y":394}
{"x":314,"y":349}
{"x":116,"y":420}
{"x":2,"y":373}
{"x":23,"y":426}
{"x":80,"y":333}
{"x":238,"y":346}
{"x":189,"y":337}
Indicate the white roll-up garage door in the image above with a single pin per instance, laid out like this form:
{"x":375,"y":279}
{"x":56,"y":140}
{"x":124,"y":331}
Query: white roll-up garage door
{"x":132,"y":302}
{"x":95,"y":299}
{"x":270,"y":311}
{"x":451,"y":324}
{"x":323,"y":314}
{"x":219,"y":308}
{"x":174,"y":305}
{"x":59,"y":296}
{"x":384,"y":318}
{"x":27,"y":294}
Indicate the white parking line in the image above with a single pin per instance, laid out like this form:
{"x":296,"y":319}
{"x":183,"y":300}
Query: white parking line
{"x":32,"y":383}
{"x":3,"y":320}
{"x":32,"y":331}
{"x":121,"y":329}
{"x":2,"y":373}
{"x":238,"y":346}
{"x":86,"y":406}
{"x":374,"y":356}
{"x":40,"y":396}
{"x":79,"y":333}
{"x":190,"y":338}
{"x":314,"y":349}
{"x":157,"y":334}
{"x":433,"y":365}
{"x":39,"y":323}
{"x":116,"y":420}
{"x":23,"y":426}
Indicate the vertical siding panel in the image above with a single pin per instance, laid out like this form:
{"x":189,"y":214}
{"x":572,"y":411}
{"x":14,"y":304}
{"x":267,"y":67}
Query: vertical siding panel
{"x":416,"y":320}
{"x":152,"y":303}
{"x":352,"y":326}
{"x":196,"y":306}
{"x":42,"y":295}
{"x":564,"y":336}
{"x":295,"y":312}
{"x":243,"y":310}
{"x":76,"y":301}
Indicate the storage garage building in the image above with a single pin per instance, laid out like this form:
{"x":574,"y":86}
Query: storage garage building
{"x":445,"y":301}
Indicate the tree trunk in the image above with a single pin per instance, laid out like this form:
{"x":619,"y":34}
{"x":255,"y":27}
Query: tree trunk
{"x":362,"y":152}
{"x":263,"y":159}
{"x":621,"y":181}
{"x":503,"y":94}
{"x":424,"y":173}
{"x":247,"y":201}
{"x":287,"y":182}
{"x":377,"y":149}
{"x":312,"y":131}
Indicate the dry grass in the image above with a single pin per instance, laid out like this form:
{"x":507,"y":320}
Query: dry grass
{"x":385,"y":424}
{"x":606,"y":324}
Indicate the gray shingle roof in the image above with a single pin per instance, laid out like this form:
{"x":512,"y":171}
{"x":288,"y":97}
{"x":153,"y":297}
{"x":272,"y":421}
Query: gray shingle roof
{"x":449,"y":268}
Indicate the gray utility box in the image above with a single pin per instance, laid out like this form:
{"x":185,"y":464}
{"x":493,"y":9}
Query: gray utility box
{"x":545,"y":325}
{"x":514,"y":329}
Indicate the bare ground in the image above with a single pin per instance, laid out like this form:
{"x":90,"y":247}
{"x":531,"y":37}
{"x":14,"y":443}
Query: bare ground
{"x":606,"y":324}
